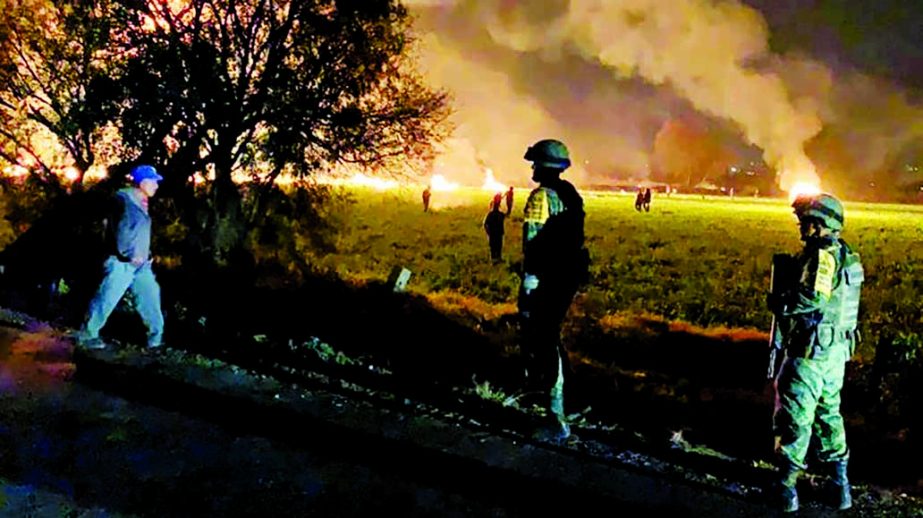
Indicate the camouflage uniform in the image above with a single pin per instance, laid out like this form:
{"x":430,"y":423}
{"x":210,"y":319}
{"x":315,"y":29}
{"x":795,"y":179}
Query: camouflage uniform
{"x":818,"y":321}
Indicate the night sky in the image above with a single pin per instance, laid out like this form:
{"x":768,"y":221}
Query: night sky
{"x":881,"y":38}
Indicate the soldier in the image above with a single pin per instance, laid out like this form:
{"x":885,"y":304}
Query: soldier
{"x":555,"y":263}
{"x":817,"y":316}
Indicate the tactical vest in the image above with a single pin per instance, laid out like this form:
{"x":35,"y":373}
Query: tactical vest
{"x":843,"y":309}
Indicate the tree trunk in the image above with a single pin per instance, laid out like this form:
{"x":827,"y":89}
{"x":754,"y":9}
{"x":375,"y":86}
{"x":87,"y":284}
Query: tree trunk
{"x":226,"y":228}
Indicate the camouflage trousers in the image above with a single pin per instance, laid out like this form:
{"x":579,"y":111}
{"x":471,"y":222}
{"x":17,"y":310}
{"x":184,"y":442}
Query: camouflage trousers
{"x":544,"y":311}
{"x":808,"y":402}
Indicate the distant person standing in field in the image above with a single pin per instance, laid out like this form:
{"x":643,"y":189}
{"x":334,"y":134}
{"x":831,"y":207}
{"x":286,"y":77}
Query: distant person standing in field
{"x":555,"y":264}
{"x":509,"y":201}
{"x":639,"y":199}
{"x":496,"y":200}
{"x":493,"y":224}
{"x":427,"y":194}
{"x":817,"y":313}
{"x":646,"y":202}
{"x":128,"y":266}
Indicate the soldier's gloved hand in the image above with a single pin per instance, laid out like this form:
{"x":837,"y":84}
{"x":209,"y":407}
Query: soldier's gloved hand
{"x":529,"y":283}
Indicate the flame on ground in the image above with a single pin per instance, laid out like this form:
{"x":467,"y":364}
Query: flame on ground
{"x":490,"y":184}
{"x":359,"y":179}
{"x":439,"y":183}
{"x":802,"y":188}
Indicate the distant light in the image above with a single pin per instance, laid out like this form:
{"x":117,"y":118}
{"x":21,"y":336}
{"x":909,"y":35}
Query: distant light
{"x":802,"y":188}
{"x":380,"y":184}
{"x":71,"y":173}
{"x":490,"y":184}
{"x":15,"y":171}
{"x":440,"y":183}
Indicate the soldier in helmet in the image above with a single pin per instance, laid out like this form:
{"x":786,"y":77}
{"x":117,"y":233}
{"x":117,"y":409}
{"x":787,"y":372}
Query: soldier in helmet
{"x":554,"y":265}
{"x":818,"y":317}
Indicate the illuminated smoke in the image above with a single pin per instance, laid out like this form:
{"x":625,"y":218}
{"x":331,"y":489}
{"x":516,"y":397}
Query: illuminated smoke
{"x":715,"y":54}
{"x":606,"y":75}
{"x":496,"y":124}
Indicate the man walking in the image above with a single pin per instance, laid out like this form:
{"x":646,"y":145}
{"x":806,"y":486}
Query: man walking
{"x":128,"y":266}
{"x":554,"y":266}
{"x":818,"y":318}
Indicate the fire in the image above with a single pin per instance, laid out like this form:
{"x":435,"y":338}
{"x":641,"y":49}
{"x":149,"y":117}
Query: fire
{"x":440,"y":183}
{"x":800,"y":188}
{"x":380,"y":184}
{"x":490,"y":184}
{"x":71,"y":174}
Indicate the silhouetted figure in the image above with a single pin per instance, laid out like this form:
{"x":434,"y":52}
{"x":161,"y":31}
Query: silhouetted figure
{"x":555,"y":264}
{"x":639,"y":200}
{"x":496,"y":200}
{"x":646,"y":203}
{"x":493,"y":224}
{"x":427,"y":194}
{"x":509,"y":201}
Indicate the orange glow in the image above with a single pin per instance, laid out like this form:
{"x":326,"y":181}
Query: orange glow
{"x":361,"y":180}
{"x":15,"y":171}
{"x":440,"y":183}
{"x":490,"y":184}
{"x":71,"y":173}
{"x":800,"y":188}
{"x":96,"y":173}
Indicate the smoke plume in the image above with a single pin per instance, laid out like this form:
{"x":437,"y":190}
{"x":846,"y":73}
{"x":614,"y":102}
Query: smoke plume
{"x":606,"y":75}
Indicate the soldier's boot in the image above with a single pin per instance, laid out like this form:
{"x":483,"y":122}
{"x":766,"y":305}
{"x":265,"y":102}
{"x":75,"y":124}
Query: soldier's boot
{"x":557,"y":430}
{"x":788,"y":494}
{"x":842,"y":491}
{"x":557,"y":411}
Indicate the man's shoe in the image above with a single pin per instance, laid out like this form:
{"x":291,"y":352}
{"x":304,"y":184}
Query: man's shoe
{"x":555,"y":433}
{"x":842,"y":492}
{"x":842,"y":496}
{"x":91,"y":343}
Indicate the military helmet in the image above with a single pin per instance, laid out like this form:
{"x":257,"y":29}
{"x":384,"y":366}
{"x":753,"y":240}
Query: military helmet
{"x":825,"y":207}
{"x":549,"y":153}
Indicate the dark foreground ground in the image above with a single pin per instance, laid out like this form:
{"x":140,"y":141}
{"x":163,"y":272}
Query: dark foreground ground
{"x":130,"y":433}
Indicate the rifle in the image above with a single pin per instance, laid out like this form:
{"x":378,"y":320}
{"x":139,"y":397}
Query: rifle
{"x":780,"y":277}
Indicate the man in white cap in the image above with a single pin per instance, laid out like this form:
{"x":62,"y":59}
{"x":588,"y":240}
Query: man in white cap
{"x":128,"y":266}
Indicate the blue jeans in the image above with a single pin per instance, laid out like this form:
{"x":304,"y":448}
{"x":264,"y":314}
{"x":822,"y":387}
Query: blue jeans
{"x":118,"y":278}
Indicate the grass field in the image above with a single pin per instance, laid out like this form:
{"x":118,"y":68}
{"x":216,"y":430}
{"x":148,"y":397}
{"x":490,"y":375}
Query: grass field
{"x":699,"y":260}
